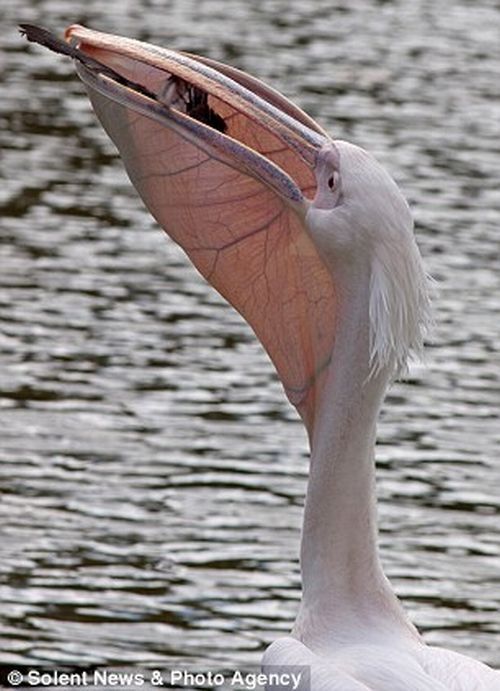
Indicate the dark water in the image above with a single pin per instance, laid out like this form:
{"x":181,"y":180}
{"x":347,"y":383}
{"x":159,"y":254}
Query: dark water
{"x":152,"y":473}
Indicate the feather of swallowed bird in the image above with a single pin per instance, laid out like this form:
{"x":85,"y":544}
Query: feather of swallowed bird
{"x":194,"y":99}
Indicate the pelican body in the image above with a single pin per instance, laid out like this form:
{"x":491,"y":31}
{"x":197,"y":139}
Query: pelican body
{"x":310,"y":239}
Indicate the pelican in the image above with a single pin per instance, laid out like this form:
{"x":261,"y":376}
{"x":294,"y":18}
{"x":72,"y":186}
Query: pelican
{"x":310,"y":239}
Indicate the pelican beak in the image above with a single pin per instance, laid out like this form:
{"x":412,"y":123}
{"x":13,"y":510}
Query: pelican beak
{"x":227,"y":166}
{"x":222,"y":110}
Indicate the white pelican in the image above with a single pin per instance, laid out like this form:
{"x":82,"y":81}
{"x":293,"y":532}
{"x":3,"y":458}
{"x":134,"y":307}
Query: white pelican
{"x":312,"y":242}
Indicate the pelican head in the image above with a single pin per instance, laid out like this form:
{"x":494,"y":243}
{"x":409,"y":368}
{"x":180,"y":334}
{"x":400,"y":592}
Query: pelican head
{"x":363,"y":228}
{"x":268,"y":207}
{"x":264,"y":179}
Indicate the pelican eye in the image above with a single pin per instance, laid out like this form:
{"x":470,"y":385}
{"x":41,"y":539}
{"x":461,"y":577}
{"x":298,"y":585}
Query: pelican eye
{"x":331,"y":182}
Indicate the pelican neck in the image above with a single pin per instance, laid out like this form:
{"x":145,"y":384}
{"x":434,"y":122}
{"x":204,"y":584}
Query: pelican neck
{"x":344,"y":587}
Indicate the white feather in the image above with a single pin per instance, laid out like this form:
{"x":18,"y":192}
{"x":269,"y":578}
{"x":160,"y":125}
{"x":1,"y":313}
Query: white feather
{"x":381,"y":225}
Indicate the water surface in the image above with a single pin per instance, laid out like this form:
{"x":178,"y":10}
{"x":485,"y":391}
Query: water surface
{"x":152,"y":472}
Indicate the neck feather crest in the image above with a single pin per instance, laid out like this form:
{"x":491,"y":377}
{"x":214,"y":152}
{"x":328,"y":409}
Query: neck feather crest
{"x":399,"y":307}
